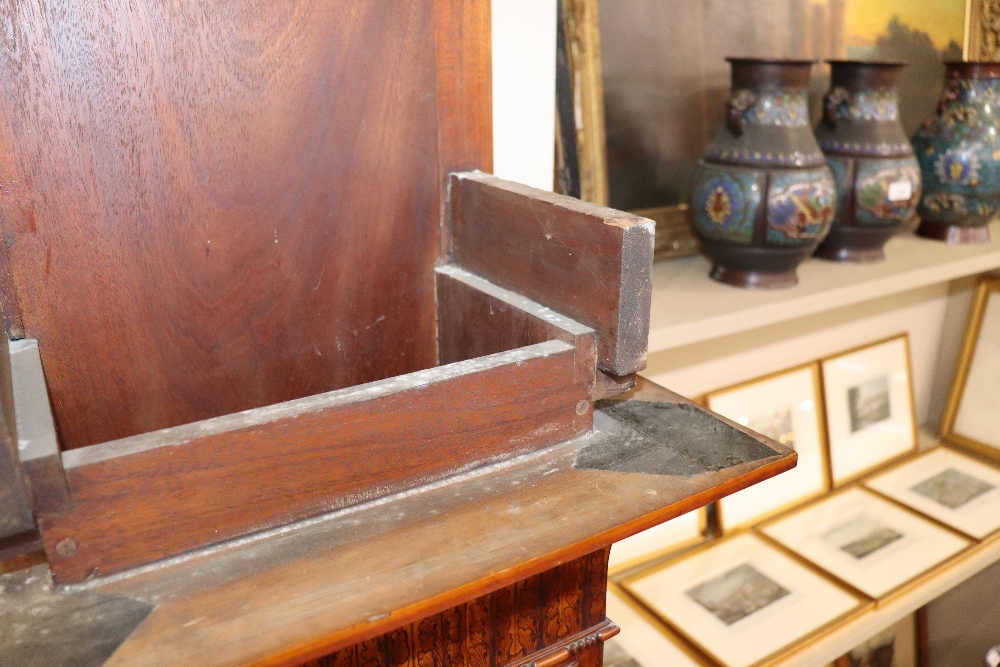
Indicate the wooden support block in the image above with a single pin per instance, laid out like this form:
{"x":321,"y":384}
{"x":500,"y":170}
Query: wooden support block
{"x":151,"y":496}
{"x":585,"y":261}
{"x":476,"y":318}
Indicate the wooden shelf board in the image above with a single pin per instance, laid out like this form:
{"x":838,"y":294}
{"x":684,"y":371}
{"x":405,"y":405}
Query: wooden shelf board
{"x":688,"y":307}
{"x":321,"y":584}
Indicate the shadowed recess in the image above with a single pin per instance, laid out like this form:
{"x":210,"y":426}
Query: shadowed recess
{"x":45,"y":627}
{"x":668,"y":439}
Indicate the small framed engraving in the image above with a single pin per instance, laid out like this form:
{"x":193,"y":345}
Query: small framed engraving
{"x":740,"y":600}
{"x":948,"y":486}
{"x":868,"y":399}
{"x":865,"y":541}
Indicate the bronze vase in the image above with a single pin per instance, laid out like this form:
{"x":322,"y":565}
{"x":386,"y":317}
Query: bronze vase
{"x":878,"y":178}
{"x":763,"y":197}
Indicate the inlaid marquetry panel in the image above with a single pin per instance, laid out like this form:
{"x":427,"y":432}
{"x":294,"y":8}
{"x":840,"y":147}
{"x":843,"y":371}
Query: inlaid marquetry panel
{"x":561,"y":609}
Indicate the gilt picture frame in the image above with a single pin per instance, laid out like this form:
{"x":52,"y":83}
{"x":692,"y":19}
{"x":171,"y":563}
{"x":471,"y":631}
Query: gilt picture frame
{"x":869,"y":543}
{"x":947,"y":486}
{"x":969,"y":416}
{"x":787,"y":407}
{"x":868,"y":399}
{"x":896,"y":646}
{"x":643,"y":640}
{"x":669,"y":537}
{"x":740,"y":600}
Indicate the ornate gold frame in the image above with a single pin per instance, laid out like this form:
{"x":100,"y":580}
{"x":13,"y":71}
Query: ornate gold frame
{"x":982,"y":30}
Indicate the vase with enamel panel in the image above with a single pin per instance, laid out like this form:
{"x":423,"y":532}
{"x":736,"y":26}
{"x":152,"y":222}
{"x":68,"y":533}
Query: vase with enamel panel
{"x":877,"y":175}
{"x":959,"y":154}
{"x":763,"y":197}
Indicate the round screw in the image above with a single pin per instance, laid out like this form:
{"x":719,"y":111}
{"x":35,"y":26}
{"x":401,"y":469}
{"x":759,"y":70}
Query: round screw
{"x":66,"y":547}
{"x":581,"y":407}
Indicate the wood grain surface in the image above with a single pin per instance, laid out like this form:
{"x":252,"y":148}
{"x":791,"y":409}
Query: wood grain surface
{"x":157,"y":495}
{"x":585,"y":261}
{"x":316,"y":588}
{"x":210,"y":207}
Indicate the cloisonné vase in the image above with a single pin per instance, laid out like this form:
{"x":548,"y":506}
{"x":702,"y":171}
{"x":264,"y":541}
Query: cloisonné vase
{"x":959,"y":154}
{"x":763,"y":197}
{"x":878,"y":178}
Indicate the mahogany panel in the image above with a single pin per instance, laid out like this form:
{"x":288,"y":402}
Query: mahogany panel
{"x":138,"y":500}
{"x":219,"y":190}
{"x":585,"y":261}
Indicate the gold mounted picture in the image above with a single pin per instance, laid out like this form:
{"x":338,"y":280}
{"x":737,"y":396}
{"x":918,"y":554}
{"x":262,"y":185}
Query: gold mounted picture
{"x":865,"y":541}
{"x":869,"y":407}
{"x":740,"y":600}
{"x":785,"y":407}
{"x":643,"y":641}
{"x":970,"y":416}
{"x":674,"y":535}
{"x":950,"y":487}
{"x":895,"y":646}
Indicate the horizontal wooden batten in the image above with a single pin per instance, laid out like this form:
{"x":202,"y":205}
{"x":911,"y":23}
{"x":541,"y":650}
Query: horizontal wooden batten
{"x":585,"y":261}
{"x":144,"y":498}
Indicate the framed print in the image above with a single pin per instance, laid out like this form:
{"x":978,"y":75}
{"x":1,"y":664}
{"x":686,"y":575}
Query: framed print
{"x":740,"y":600}
{"x":945,"y":485}
{"x":970,"y":416}
{"x":865,"y":541}
{"x":683,"y":531}
{"x":643,"y":641}
{"x":893,"y":647}
{"x":785,"y":407}
{"x":869,"y":407}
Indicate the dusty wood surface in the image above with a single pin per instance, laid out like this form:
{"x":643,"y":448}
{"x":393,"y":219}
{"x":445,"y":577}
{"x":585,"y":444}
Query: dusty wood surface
{"x":308,"y":590}
{"x":160,"y":494}
{"x":218,"y":189}
{"x":585,"y":261}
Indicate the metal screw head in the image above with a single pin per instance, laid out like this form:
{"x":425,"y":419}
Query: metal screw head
{"x":66,"y":547}
{"x":581,"y":407}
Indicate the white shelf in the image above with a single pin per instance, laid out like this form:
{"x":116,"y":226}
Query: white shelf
{"x":829,"y":646}
{"x":688,"y":307}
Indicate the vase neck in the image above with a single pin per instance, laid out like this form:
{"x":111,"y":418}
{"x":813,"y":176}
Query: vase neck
{"x":778,"y":108}
{"x":973,"y":91}
{"x":865,"y":105}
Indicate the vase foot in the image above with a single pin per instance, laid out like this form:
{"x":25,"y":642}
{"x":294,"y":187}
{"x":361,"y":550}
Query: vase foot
{"x":954,"y":234}
{"x":754,"y":279}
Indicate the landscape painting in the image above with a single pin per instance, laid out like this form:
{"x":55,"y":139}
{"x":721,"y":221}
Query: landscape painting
{"x":737,"y":593}
{"x":862,"y":536}
{"x":869,"y":403}
{"x":952,"y":488}
{"x":666,"y":80}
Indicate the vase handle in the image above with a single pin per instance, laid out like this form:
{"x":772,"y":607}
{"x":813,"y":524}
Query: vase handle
{"x":831,"y":101}
{"x":737,"y":104}
{"x":950,"y":93}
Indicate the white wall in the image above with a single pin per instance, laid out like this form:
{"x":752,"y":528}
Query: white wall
{"x":933,"y":316}
{"x":524,"y":90}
